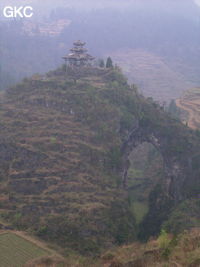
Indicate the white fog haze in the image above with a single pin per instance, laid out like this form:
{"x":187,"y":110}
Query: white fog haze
{"x":143,"y":37}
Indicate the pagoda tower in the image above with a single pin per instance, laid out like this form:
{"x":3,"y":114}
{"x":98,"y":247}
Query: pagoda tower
{"x":78,"y":55}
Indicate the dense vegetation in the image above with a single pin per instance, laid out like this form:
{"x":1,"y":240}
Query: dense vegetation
{"x":65,"y":138}
{"x":60,"y":172}
{"x":165,"y":251}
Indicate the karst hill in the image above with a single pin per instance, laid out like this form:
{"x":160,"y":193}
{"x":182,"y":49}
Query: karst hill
{"x":65,"y":140}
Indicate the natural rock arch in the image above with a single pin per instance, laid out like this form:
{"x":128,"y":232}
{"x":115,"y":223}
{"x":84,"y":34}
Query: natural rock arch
{"x":179,"y":148}
{"x":173,"y":166}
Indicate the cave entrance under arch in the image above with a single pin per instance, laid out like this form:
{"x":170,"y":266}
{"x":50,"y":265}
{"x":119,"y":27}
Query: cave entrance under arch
{"x":144,"y":172}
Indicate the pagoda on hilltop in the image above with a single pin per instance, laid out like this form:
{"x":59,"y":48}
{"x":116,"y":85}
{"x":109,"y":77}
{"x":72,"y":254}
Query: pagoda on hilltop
{"x":78,"y":56}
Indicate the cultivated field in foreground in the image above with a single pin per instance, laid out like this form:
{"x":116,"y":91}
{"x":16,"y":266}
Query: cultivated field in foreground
{"x":15,"y":250}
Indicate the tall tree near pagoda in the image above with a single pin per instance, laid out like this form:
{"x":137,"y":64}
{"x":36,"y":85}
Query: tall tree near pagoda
{"x":109,"y":63}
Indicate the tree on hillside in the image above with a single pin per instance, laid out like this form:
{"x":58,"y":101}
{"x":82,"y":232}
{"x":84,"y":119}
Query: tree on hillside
{"x":109,"y":63}
{"x":173,"y":109}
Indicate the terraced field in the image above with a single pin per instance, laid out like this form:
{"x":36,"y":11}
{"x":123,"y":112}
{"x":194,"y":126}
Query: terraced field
{"x":15,"y":250}
{"x":190,"y":104}
{"x":153,"y":74}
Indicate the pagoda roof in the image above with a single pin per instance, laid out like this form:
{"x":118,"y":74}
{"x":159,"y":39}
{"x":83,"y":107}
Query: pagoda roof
{"x":90,"y":57}
{"x":78,"y":49}
{"x":78,"y":56}
{"x":79,"y":43}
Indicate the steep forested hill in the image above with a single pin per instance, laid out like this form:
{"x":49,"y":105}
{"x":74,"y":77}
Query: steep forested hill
{"x":65,"y":143}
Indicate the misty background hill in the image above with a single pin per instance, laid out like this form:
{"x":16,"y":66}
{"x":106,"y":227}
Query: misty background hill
{"x":155,"y":42}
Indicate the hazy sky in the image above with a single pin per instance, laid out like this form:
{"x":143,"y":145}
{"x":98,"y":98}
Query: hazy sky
{"x":74,"y":3}
{"x":93,"y":3}
{"x":43,"y":7}
{"x":197,"y":2}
